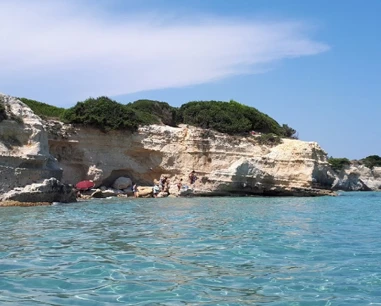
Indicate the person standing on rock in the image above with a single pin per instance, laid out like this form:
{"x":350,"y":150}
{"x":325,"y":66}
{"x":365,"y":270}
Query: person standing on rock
{"x":180,"y":184}
{"x":135,"y":190}
{"x":155,"y":190}
{"x":78,"y":194}
{"x":192,"y":177}
{"x":163,"y":182}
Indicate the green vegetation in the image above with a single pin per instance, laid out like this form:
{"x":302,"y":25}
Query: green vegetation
{"x":43,"y":110}
{"x":338,"y":164}
{"x":269,"y":139}
{"x":372,"y":161}
{"x":227,"y":117}
{"x":155,"y":111}
{"x":105,"y":114}
{"x":289,"y":131}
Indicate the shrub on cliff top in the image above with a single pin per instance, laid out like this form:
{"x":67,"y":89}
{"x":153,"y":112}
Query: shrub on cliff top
{"x":338,"y":164}
{"x":269,"y":139}
{"x":289,"y":131}
{"x":156,"y":111}
{"x":227,"y":117}
{"x":103,"y":113}
{"x":42,"y":109}
{"x":106,"y":114}
{"x":372,"y":161}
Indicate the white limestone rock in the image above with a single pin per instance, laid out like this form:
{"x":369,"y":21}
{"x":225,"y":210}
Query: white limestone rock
{"x":24,"y":148}
{"x":223,"y":163}
{"x":357,"y":177}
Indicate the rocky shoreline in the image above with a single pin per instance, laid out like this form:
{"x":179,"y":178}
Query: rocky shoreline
{"x":41,"y":161}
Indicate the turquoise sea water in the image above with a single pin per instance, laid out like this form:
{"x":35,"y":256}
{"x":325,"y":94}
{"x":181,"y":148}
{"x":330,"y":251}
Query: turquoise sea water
{"x":196,"y":251}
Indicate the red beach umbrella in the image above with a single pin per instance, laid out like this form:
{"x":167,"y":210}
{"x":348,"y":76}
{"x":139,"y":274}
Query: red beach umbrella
{"x":84,"y":185}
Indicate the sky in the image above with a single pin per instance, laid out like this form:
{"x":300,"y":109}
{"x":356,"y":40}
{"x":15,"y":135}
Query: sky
{"x":314,"y":65}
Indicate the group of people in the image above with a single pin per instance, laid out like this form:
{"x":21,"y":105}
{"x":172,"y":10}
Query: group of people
{"x":163,"y":185}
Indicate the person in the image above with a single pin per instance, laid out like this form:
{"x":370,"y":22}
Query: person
{"x":163,"y":181}
{"x":192,"y":177}
{"x":180,"y":184}
{"x":166,"y":185}
{"x":135,"y":190}
{"x":155,"y":190}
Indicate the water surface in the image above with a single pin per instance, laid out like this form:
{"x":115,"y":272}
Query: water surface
{"x":194,"y":251}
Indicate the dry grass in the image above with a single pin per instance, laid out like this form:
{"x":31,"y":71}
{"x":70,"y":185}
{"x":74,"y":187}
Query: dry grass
{"x":23,"y":204}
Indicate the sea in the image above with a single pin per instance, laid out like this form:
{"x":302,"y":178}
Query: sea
{"x":194,"y":251}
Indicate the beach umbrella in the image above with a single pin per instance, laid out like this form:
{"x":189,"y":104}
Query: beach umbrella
{"x":84,"y":185}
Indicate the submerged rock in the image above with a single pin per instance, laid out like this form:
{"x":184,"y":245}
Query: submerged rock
{"x":50,"y":190}
{"x":24,"y":204}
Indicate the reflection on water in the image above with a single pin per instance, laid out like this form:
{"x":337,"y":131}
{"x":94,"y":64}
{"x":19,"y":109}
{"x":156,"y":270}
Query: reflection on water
{"x":204,"y":251}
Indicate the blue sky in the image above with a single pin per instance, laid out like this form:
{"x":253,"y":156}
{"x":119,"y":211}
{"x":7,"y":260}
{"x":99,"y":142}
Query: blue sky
{"x":311,"y":64}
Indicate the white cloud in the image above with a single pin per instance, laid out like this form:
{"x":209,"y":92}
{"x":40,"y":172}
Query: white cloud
{"x":79,"y":50}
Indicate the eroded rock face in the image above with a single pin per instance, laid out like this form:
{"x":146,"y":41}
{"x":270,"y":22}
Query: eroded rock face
{"x":50,"y":190}
{"x":372,"y":178}
{"x":356,"y":177}
{"x":24,"y":148}
{"x":224,"y":164}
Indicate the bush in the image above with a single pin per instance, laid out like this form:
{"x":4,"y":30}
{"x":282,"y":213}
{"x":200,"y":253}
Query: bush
{"x":227,"y":117}
{"x":269,"y":139}
{"x":106,"y":114}
{"x":42,"y":109}
{"x":372,"y":161}
{"x":338,"y":164}
{"x":103,"y":113}
{"x":156,"y":111}
{"x":289,"y":131}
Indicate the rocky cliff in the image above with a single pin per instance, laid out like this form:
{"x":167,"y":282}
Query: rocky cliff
{"x":224,"y":164}
{"x":357,"y":177}
{"x":24,"y":148}
{"x":32,"y":150}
